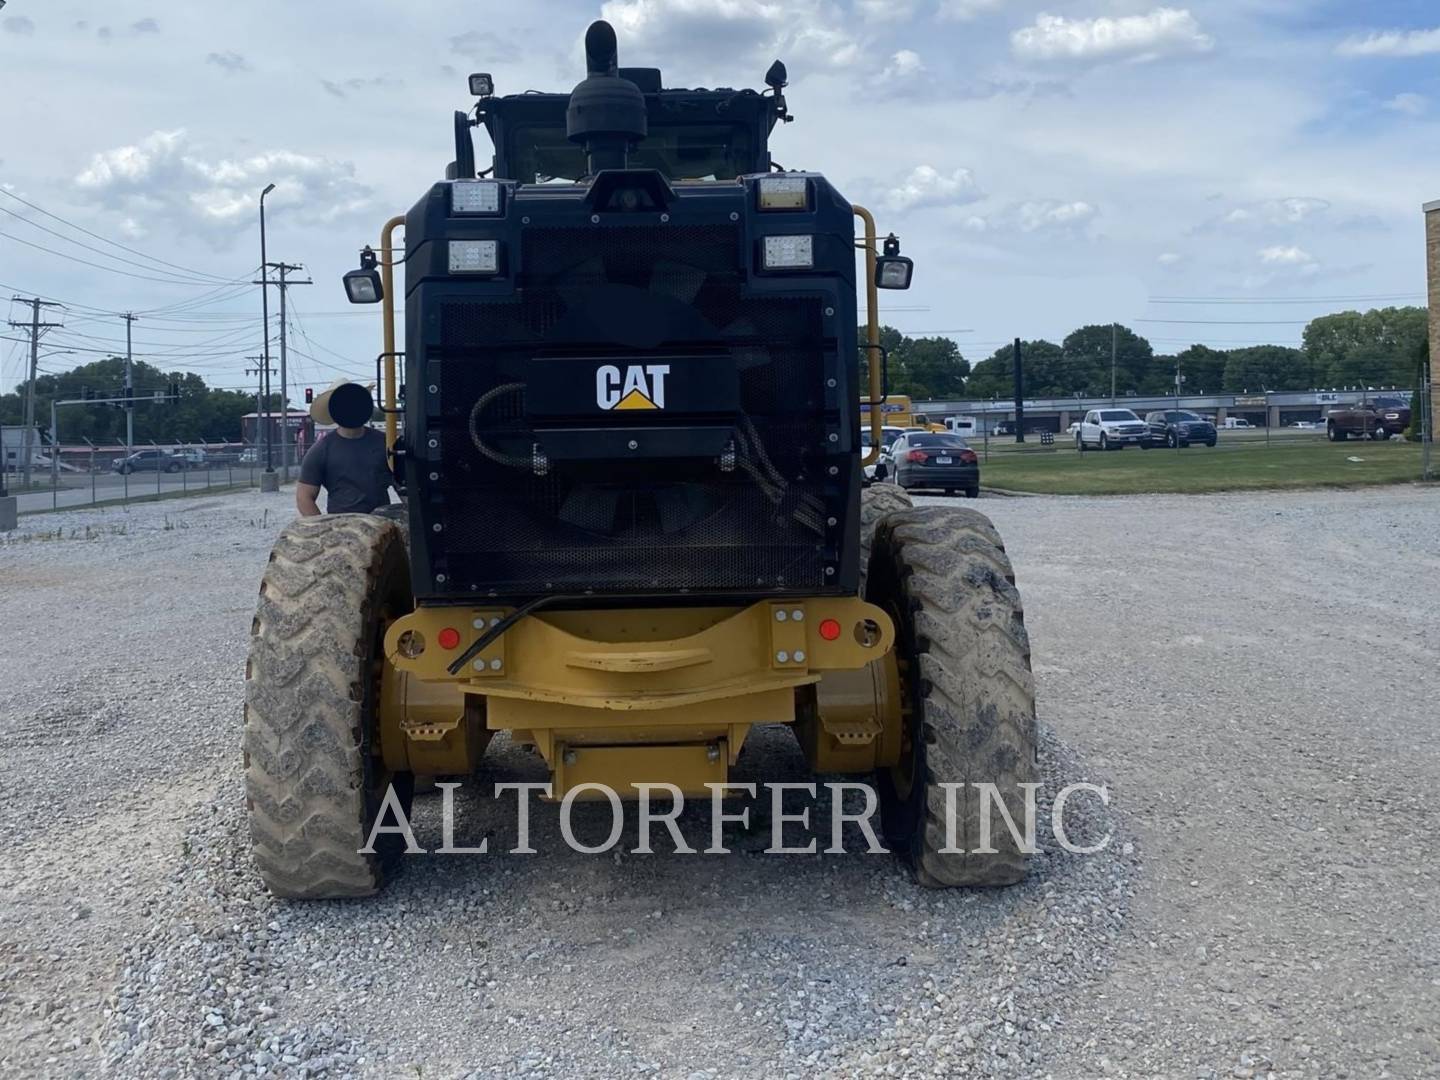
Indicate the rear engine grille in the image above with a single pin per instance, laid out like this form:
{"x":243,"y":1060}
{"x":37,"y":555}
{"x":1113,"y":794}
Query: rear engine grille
{"x":633,"y":526}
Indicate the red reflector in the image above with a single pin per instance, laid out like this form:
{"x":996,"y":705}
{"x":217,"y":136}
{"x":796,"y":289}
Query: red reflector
{"x":448,"y":638}
{"x":829,"y":629}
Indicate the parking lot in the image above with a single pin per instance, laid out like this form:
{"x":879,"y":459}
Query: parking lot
{"x":1252,"y":676}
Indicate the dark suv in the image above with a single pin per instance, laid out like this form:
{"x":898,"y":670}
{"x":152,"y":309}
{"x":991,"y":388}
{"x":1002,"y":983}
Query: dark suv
{"x":1175,"y":427}
{"x":148,"y":461}
{"x":937,"y":460}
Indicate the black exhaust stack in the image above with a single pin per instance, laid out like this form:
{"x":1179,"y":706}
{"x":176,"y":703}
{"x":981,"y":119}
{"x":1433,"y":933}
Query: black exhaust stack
{"x":607,"y":113}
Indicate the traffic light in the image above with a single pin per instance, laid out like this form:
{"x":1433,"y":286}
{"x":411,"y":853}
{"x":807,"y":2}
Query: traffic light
{"x":174,"y":394}
{"x":309,"y":395}
{"x":129,"y":396}
{"x":86,"y":394}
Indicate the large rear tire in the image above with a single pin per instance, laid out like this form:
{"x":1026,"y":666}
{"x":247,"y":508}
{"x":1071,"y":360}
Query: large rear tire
{"x":875,"y":502}
{"x":314,"y":779}
{"x":943,"y":575}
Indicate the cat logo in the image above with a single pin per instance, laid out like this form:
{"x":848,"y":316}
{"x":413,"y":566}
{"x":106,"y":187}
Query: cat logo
{"x":642,"y":386}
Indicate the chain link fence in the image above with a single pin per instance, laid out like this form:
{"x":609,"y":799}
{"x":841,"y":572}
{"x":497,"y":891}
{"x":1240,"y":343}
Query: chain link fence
{"x":83,"y":474}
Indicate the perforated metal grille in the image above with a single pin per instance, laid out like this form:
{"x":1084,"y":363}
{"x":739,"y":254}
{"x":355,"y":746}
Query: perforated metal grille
{"x":633,"y":526}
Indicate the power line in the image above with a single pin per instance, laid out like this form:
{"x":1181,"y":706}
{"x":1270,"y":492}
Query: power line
{"x":94,"y":265}
{"x":100,"y":251}
{"x":106,"y":240}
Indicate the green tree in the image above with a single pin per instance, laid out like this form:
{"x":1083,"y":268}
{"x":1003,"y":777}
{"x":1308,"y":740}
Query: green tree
{"x":1087,"y":360}
{"x":1373,"y":348}
{"x":200,"y":414}
{"x":1203,"y":368}
{"x":924,"y":368}
{"x":1266,"y":367}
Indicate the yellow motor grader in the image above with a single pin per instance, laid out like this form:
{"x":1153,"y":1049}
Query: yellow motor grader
{"x":634,"y":524}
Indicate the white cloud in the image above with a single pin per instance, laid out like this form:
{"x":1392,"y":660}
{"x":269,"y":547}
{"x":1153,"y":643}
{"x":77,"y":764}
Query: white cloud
{"x":1285,"y":256}
{"x":1393,"y":43}
{"x":716,"y":31}
{"x":927,"y":186}
{"x":1170,"y":258}
{"x":19,"y":24}
{"x":1050,"y":214}
{"x":885,"y":10}
{"x":1409,"y":104}
{"x":901,"y":75}
{"x":965,"y":10}
{"x":1163,"y":32}
{"x":166,"y":178}
{"x":1267,"y":215}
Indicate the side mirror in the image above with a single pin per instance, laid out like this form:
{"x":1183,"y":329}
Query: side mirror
{"x":363,"y":286}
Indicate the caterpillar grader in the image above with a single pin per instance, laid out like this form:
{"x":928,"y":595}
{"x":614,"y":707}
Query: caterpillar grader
{"x":635,"y":526}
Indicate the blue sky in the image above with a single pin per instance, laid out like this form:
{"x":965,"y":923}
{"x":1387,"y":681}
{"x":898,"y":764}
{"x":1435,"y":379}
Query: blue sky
{"x":1046,"y":163}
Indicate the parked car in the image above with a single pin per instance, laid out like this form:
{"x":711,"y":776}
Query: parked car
{"x":1238,"y":423}
{"x":934,"y":460}
{"x":191,"y":458}
{"x":1176,"y":427}
{"x":1376,"y":419}
{"x":249,"y":456}
{"x":1074,"y":427}
{"x":1111,"y":429}
{"x":888,"y":435}
{"x":148,"y":461}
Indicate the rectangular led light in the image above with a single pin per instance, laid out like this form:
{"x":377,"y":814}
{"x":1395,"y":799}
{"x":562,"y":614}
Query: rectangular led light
{"x":475,"y":197}
{"x":789,"y":252}
{"x":784,"y":193}
{"x":474,"y":256}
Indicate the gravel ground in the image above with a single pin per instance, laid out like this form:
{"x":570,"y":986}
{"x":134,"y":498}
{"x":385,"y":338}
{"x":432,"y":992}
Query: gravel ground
{"x":1251,"y":681}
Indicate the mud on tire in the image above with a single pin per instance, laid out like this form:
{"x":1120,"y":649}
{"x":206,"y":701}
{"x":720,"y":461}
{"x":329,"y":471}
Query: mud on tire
{"x":875,"y":502}
{"x":314,"y":780}
{"x":943,"y":575}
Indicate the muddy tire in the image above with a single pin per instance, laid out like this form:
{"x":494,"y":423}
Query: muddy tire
{"x":943,"y":575}
{"x":399,"y":513}
{"x":875,"y":502}
{"x":314,"y":780}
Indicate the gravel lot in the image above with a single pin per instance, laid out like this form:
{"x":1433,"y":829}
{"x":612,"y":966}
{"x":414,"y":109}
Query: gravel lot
{"x":1255,"y":680}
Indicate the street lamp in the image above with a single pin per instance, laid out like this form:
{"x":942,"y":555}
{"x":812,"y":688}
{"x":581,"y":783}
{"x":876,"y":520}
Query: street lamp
{"x":269,"y":481}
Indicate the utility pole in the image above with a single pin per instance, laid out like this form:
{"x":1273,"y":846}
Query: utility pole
{"x":287,"y":447}
{"x":1114,"y":341}
{"x":1019,"y":396}
{"x":33,"y":328}
{"x":129,"y":394}
{"x":263,"y":371}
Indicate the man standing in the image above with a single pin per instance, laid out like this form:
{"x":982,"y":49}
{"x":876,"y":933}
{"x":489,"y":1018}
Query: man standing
{"x":350,"y":463}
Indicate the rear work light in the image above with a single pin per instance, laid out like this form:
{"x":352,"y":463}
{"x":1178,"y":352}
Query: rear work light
{"x":474,"y":256}
{"x":475,"y":197}
{"x":789,"y":252}
{"x":784,"y":193}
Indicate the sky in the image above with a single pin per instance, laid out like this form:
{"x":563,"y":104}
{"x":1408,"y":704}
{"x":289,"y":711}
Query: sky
{"x":1215,"y":172}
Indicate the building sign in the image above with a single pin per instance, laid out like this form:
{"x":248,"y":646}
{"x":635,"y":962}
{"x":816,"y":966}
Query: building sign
{"x":1244,"y":400}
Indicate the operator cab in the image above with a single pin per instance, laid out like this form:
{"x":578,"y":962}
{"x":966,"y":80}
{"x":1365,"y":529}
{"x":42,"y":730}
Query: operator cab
{"x":692,"y":134}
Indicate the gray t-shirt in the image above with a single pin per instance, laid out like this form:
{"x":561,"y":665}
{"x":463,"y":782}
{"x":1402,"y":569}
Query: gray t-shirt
{"x":354,"y":472}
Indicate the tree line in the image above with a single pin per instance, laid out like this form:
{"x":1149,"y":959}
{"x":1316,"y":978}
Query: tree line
{"x":1380,"y":347}
{"x":200,"y":413}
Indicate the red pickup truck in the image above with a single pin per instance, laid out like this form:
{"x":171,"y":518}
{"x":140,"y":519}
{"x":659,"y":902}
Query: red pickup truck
{"x":1378,"y":418}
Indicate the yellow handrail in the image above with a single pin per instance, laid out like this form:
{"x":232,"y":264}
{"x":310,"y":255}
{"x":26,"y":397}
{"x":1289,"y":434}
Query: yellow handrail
{"x":872,"y":331}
